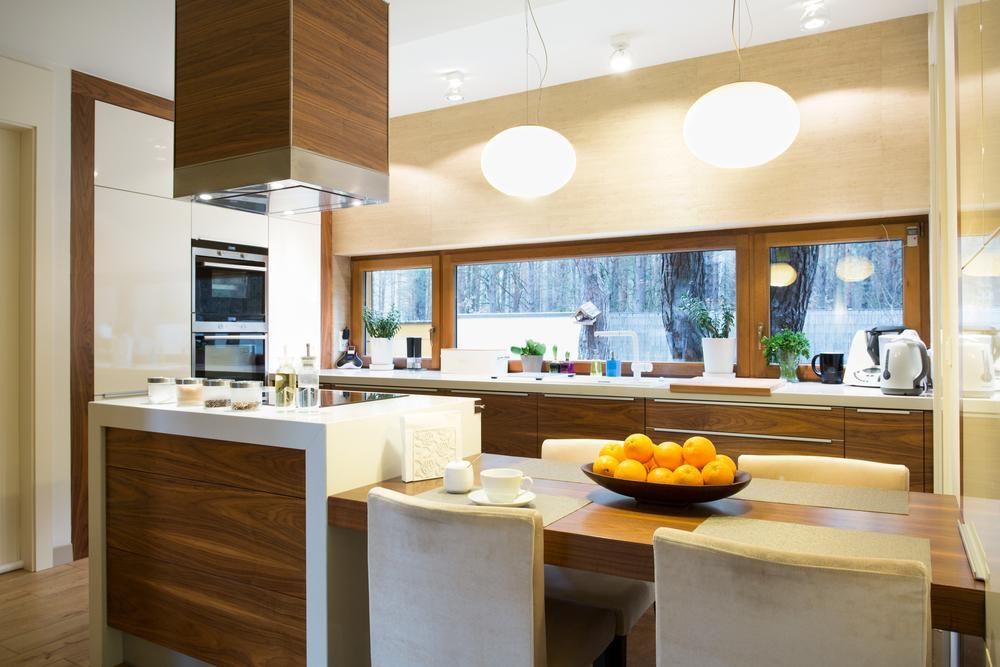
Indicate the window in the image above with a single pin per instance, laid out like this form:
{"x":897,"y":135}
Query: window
{"x":500,"y":304}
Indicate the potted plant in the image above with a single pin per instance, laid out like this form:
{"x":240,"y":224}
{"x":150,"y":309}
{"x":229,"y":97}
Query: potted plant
{"x":718,"y":351}
{"x":381,"y":327}
{"x":786,"y":348}
{"x":531,"y":355}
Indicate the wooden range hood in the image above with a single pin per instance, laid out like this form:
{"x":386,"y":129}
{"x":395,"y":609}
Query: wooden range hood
{"x":282,"y":105}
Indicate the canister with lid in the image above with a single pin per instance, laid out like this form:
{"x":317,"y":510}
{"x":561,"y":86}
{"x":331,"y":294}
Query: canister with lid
{"x":217,"y":393}
{"x":161,"y":390}
{"x":246,"y":394}
{"x":190,"y":392}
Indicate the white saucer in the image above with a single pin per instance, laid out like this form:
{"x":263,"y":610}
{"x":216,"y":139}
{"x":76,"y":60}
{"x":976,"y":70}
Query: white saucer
{"x":479,"y":497}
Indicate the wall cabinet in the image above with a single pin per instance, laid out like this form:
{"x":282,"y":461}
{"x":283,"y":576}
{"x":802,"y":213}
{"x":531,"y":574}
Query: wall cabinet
{"x":510,"y":422}
{"x":571,"y":416}
{"x":213,"y":223}
{"x":133,"y":151}
{"x":293,"y":289}
{"x":889,"y":436}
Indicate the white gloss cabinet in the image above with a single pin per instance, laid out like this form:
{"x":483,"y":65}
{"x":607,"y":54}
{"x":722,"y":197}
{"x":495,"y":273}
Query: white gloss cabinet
{"x":142,"y":289}
{"x":214,"y":223}
{"x":133,"y":151}
{"x":293,"y":290}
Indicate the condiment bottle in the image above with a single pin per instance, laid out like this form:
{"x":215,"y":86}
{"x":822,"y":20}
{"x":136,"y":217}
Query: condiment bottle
{"x":284,"y":384}
{"x":307,"y":394}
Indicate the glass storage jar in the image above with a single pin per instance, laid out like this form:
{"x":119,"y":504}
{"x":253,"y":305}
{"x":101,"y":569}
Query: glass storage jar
{"x":161,"y":390}
{"x":246,"y":394}
{"x":190,"y":392}
{"x":217,"y":393}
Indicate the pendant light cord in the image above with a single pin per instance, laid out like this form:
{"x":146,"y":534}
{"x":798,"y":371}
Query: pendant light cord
{"x":543,"y":70}
{"x":736,"y":30}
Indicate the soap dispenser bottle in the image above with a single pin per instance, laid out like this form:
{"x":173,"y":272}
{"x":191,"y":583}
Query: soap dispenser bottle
{"x":614,"y":367}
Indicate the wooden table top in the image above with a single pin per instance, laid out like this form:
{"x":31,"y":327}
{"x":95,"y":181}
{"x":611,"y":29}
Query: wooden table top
{"x":614,"y":534}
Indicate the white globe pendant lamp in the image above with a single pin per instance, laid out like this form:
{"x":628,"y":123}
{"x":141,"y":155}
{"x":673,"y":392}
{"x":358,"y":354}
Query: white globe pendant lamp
{"x":742,"y":124}
{"x":529,"y":160}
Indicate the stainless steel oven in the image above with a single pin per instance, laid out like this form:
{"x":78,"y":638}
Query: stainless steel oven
{"x":236,"y":356}
{"x":228,"y":287}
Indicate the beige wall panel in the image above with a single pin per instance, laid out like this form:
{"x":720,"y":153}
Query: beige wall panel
{"x":862,"y":149}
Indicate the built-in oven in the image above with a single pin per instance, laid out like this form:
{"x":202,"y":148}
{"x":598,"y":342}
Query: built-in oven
{"x":235,"y":356}
{"x":228,"y":287}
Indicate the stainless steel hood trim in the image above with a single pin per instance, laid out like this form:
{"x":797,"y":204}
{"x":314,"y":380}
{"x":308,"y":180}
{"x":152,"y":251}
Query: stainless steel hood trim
{"x":221,"y":175}
{"x":351,"y":179}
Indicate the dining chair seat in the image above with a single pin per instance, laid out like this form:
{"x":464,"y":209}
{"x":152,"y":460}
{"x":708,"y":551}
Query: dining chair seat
{"x":826,"y":470}
{"x":721,"y":603}
{"x":464,"y":585}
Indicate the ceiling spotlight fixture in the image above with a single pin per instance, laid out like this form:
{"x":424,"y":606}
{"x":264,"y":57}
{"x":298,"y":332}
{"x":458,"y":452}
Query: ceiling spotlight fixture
{"x":814,"y":15}
{"x":621,"y":58}
{"x":204,"y":196}
{"x":454,"y":79}
{"x":529,"y":160}
{"x":742,"y":124}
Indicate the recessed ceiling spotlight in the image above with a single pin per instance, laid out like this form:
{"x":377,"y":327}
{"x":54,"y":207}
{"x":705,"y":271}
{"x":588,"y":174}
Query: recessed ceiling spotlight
{"x":204,"y":196}
{"x":454,"y":79}
{"x":621,"y":58}
{"x":814,"y":15}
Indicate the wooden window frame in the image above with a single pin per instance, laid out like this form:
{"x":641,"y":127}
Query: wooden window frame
{"x":361,"y":266}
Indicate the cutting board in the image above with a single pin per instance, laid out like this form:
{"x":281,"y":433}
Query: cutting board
{"x":738,"y":386}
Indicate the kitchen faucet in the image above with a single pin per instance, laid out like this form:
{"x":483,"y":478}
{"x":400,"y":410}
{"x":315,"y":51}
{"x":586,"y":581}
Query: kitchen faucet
{"x":638,"y":367}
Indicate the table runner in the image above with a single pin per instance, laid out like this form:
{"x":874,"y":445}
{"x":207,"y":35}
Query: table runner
{"x":561,"y":471}
{"x":890,"y":501}
{"x":552,"y":507}
{"x":818,"y":539}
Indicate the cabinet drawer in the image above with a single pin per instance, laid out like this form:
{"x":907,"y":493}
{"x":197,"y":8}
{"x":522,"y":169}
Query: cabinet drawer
{"x":510,"y":422}
{"x":823,"y":423}
{"x":887,"y":436}
{"x":733,"y":446}
{"x":572,"y":416}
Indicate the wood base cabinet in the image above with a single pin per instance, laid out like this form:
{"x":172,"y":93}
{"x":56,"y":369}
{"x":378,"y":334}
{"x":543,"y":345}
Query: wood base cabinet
{"x":889,"y":436}
{"x":572,"y":416}
{"x":510,"y":422}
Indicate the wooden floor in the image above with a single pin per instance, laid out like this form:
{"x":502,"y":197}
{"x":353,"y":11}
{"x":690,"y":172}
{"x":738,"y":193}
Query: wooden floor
{"x":43,"y":617}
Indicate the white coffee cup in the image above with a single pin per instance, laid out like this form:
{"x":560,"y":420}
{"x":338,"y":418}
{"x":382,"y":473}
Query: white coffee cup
{"x":503,"y":485}
{"x":458,"y":477}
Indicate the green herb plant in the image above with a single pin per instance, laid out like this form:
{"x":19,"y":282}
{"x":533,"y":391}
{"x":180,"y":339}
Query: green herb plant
{"x":784,"y":343}
{"x":530,"y":348}
{"x":710,"y":324}
{"x":381,"y":325}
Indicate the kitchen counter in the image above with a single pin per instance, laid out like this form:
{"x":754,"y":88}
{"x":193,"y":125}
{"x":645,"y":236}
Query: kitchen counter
{"x":208,"y":528}
{"x":802,"y":393}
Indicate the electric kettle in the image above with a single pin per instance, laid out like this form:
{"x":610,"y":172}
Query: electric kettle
{"x":905,"y":366}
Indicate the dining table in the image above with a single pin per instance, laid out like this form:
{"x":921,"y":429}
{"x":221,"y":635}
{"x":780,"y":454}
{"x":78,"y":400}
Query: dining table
{"x":613,"y":534}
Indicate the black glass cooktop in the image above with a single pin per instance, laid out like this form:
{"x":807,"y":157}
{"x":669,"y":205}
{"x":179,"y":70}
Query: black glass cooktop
{"x":329,"y":398}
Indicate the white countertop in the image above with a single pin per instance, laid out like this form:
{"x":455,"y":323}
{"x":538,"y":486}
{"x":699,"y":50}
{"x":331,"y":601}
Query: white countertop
{"x":802,"y":393}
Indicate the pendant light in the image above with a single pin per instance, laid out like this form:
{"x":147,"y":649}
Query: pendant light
{"x":783,"y":274}
{"x":854,"y":268}
{"x":529,"y":160}
{"x":742,"y":124}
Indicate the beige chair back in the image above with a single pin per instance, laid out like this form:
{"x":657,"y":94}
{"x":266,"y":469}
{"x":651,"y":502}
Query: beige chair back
{"x":454,"y":585}
{"x":573,"y":450}
{"x":721,"y":603}
{"x":827,"y":470}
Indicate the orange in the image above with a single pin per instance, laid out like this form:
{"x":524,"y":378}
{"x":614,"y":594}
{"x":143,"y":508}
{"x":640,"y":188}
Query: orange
{"x":716,"y":472}
{"x":630,"y":469}
{"x":639,"y":447}
{"x":698,"y":451}
{"x":615,"y":449}
{"x":605,"y":465}
{"x":659,"y":476}
{"x":668,"y":455}
{"x":731,"y":464}
{"x":687,"y":475}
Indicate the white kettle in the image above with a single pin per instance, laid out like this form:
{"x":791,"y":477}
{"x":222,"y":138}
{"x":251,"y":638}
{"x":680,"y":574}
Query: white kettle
{"x":978,"y":366}
{"x":905,"y":366}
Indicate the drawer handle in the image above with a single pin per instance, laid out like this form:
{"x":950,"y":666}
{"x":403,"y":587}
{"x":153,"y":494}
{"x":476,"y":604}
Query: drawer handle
{"x":594,"y":398}
{"x":878,"y":411}
{"x":754,"y":436}
{"x":390,"y":389}
{"x":480,"y":407}
{"x":822,"y":408}
{"x":490,"y":393}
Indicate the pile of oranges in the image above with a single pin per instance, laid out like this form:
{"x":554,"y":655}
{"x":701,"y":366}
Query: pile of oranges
{"x":695,"y":463}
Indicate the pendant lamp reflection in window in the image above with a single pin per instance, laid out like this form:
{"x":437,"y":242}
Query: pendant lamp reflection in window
{"x":783,"y":274}
{"x":742,"y":124}
{"x":854,"y":268}
{"x":529,"y":160}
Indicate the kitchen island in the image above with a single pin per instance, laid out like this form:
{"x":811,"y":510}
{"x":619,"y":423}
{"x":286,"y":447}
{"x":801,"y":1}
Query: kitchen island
{"x":208,"y":528}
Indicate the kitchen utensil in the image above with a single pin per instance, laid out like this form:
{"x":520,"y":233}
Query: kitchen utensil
{"x":831,"y":367}
{"x":668,"y":494}
{"x":503,"y":485}
{"x":905,"y":366}
{"x":863,"y":366}
{"x":458,"y":477}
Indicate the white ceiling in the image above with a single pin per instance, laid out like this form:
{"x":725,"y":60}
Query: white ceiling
{"x":131,"y":41}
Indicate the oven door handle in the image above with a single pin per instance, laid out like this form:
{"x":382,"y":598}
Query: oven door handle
{"x":238,"y":267}
{"x":235,"y":337}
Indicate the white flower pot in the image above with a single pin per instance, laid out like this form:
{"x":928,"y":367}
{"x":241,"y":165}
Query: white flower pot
{"x":531,"y":363}
{"x":719,"y":355}
{"x":381,"y":351}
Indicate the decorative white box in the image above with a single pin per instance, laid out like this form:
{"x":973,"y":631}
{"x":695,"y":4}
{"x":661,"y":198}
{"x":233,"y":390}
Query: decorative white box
{"x":430,"y":442}
{"x":492,"y":363}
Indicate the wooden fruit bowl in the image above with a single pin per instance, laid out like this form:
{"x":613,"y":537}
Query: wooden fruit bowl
{"x":668,"y":494}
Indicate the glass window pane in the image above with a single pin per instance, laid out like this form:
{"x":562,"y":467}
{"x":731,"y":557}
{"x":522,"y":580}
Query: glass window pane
{"x":410,"y":292}
{"x":829,"y":291}
{"x":502,"y":304}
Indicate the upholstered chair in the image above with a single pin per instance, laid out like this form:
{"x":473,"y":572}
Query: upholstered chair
{"x":464,"y":585}
{"x":721,"y":603}
{"x":628,"y":598}
{"x":827,"y":470}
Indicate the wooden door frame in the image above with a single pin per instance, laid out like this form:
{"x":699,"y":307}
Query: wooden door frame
{"x":87,"y":90}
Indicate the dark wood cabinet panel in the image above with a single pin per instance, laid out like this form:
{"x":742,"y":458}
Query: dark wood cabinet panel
{"x":256,"y":467}
{"x":887,"y":436}
{"x":733,"y":446}
{"x":509,"y":422}
{"x":257,"y":539}
{"x":208,"y":617}
{"x":928,"y":452}
{"x":805,"y":422}
{"x":571,"y":416}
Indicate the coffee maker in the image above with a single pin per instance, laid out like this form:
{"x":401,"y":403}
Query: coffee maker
{"x":413,"y":353}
